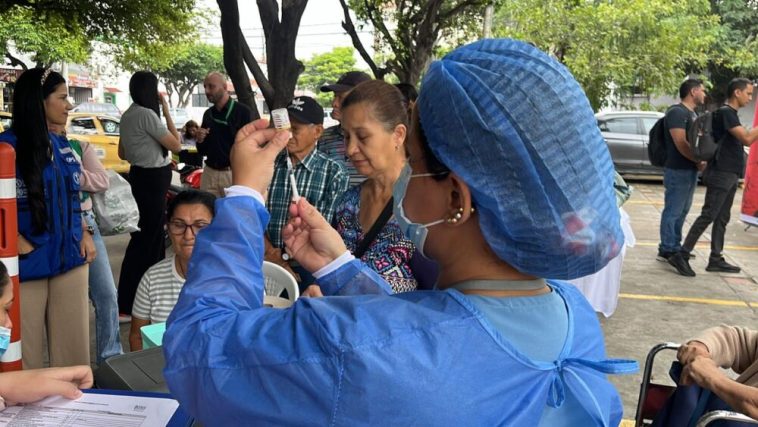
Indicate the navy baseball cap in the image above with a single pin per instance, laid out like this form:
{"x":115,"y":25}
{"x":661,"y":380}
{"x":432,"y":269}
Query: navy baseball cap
{"x":348,"y":81}
{"x":305,"y":109}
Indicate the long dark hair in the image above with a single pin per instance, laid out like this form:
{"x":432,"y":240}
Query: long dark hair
{"x":4,"y":279}
{"x":33,"y":149}
{"x":143,"y":88}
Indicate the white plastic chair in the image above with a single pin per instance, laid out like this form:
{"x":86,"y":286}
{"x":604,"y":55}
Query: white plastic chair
{"x":726,"y":416}
{"x":277,"y":280}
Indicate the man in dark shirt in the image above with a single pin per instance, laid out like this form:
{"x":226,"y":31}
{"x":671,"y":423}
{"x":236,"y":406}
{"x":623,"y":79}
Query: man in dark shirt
{"x":680,"y":170}
{"x":216,"y":136}
{"x":722,"y":176}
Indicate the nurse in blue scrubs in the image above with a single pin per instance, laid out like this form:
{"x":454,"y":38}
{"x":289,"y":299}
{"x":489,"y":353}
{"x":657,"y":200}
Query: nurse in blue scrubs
{"x":508,"y":182}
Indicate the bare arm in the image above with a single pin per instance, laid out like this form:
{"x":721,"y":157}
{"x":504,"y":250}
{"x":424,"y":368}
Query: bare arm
{"x":135,"y":334}
{"x":706,"y":374}
{"x":172,"y":141}
{"x":743,"y":135}
{"x":680,"y":141}
{"x":35,"y":384}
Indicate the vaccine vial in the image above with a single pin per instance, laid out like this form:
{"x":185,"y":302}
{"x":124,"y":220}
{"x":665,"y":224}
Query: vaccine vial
{"x":281,"y":119}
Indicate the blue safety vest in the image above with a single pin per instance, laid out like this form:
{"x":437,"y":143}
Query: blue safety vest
{"x":57,"y":249}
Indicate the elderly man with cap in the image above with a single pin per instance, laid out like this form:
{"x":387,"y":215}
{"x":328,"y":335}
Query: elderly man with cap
{"x":508,"y":182}
{"x":332,"y":142}
{"x":318,"y":178}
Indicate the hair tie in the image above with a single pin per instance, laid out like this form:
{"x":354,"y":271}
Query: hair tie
{"x":44,"y":76}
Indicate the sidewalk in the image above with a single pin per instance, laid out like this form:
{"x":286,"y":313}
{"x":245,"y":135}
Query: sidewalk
{"x":658,"y":305}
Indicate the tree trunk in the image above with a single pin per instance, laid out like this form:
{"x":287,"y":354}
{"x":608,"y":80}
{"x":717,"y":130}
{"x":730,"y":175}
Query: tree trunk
{"x":233,"y":63}
{"x":283,"y":67}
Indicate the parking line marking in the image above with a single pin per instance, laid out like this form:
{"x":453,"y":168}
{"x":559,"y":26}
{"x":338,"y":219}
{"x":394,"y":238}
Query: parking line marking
{"x":706,"y":245}
{"x":709,"y":301}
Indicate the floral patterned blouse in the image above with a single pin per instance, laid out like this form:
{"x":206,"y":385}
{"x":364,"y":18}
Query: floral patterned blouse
{"x":390,"y":252}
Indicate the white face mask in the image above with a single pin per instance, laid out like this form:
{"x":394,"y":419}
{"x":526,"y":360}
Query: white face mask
{"x":415,"y":232}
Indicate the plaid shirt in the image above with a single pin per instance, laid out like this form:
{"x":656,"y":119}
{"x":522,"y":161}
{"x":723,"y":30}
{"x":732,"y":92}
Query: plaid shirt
{"x":320,"y":180}
{"x":332,"y":143}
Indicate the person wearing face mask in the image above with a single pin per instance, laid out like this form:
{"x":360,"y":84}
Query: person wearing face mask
{"x":54,"y":242}
{"x":34,"y":384}
{"x":188,"y":213}
{"x":508,"y":182}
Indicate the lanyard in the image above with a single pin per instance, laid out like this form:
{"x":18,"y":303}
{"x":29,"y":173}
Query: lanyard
{"x":225,"y":122}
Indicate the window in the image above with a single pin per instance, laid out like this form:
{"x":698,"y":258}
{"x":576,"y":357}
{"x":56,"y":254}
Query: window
{"x":619,"y":125}
{"x":82,"y":127}
{"x":648,"y":123}
{"x":110,"y":127}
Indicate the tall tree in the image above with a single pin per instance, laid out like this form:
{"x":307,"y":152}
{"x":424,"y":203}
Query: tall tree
{"x":326,"y":68}
{"x":409,"y":30}
{"x":280,"y":33}
{"x":56,"y":25}
{"x":736,"y":49}
{"x":189,"y":68}
{"x":645,"y":46}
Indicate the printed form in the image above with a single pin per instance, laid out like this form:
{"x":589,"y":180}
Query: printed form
{"x":92,"y":410}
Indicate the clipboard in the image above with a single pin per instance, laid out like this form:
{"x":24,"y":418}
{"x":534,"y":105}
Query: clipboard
{"x":180,"y":418}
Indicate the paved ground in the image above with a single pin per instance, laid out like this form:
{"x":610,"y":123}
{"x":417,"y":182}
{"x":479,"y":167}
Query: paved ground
{"x":656,"y":304}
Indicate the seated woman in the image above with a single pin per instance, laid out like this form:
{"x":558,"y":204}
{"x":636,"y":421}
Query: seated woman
{"x":375,"y":123}
{"x":508,"y":181}
{"x":188,"y":213}
{"x":32,"y":385}
{"x":189,"y":154}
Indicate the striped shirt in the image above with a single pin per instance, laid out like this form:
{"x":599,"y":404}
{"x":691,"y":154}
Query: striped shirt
{"x":319,"y":179}
{"x":332,"y":143}
{"x":158,"y":292}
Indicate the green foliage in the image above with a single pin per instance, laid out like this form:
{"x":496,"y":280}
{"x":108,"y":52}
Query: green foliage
{"x":61,"y":30}
{"x":189,"y":67}
{"x":736,"y":48}
{"x":407,"y":32}
{"x":32,"y":34}
{"x":643,"y":46}
{"x":324,"y":69}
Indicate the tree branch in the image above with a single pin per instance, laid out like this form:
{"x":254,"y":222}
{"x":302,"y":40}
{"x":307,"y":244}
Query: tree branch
{"x":13,"y":61}
{"x":348,"y":26}
{"x":377,"y":20}
{"x":456,"y":9}
{"x":247,"y":55}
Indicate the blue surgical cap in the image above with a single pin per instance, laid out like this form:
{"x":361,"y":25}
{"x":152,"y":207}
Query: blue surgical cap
{"x":517,"y":128}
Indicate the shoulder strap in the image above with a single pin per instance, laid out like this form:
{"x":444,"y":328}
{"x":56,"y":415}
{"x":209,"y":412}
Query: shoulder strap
{"x":369,"y":237}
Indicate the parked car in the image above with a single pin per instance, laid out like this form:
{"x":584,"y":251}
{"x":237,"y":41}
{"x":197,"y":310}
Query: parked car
{"x":102,"y":132}
{"x":6,"y":120}
{"x":179,"y":115}
{"x":98,"y":108}
{"x":626,"y":133}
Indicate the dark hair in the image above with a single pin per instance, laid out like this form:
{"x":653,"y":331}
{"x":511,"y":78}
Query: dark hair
{"x":737,"y":83}
{"x":191,"y":197}
{"x":187,"y":126}
{"x":687,"y":86}
{"x":385,"y":100}
{"x":4,"y":278}
{"x":433,"y":164}
{"x":143,"y":88}
{"x":33,"y":149}
{"x":409,"y":92}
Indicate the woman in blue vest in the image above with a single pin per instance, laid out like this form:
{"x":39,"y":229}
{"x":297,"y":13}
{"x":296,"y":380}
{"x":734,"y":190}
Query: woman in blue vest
{"x":508,"y":182}
{"x":54,"y":243}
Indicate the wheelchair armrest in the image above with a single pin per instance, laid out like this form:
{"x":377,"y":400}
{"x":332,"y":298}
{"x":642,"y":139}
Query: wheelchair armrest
{"x":724,"y":415}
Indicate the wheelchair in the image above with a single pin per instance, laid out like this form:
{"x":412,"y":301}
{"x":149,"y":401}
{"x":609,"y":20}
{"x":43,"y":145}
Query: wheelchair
{"x":653,"y":396}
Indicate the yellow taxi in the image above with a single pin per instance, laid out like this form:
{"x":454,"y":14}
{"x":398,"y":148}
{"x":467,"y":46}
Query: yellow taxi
{"x":102,"y":133}
{"x":6,"y":119}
